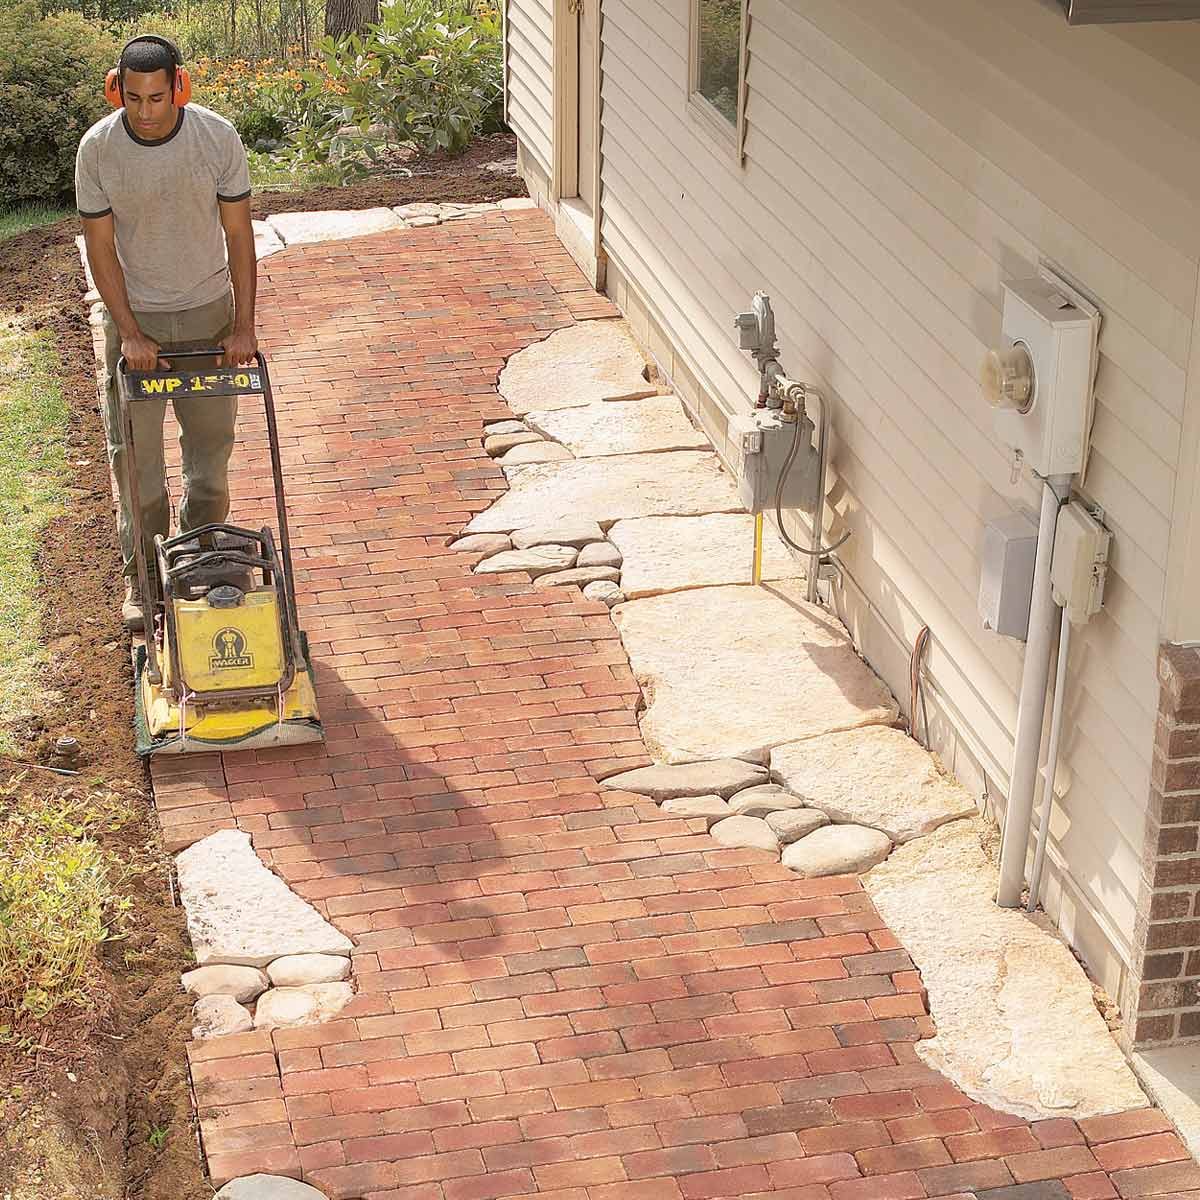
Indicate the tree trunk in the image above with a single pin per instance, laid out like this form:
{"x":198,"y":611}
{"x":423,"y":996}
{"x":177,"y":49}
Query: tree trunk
{"x":349,"y":16}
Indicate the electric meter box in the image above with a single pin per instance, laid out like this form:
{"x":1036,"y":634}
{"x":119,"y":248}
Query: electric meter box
{"x":759,"y":445}
{"x":1006,"y":578}
{"x":1059,"y":329}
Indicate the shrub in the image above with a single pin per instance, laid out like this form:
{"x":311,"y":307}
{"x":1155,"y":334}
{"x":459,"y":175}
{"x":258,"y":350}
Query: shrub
{"x":51,"y":89}
{"x":431,"y":71}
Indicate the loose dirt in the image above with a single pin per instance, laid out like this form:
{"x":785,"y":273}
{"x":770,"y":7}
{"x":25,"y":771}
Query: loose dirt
{"x":435,"y":178}
{"x":96,"y":1105}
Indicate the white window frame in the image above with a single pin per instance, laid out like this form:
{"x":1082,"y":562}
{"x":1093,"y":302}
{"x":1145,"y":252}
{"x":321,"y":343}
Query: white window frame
{"x":731,"y":137}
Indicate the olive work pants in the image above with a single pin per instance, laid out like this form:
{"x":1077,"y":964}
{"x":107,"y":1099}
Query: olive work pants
{"x":206,"y":432}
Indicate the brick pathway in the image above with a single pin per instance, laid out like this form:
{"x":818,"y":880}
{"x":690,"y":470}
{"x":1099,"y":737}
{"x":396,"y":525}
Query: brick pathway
{"x":562,"y":992}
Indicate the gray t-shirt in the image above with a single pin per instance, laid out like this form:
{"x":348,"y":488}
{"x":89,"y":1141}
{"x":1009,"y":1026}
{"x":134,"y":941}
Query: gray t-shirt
{"x":164,"y":196}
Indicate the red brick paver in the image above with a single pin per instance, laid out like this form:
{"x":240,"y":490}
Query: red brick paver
{"x":562,"y":992}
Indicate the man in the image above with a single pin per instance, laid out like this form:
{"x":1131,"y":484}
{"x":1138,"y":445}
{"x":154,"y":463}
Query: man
{"x":163,"y":188}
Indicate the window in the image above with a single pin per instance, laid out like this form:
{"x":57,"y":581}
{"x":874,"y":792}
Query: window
{"x":718,"y":67}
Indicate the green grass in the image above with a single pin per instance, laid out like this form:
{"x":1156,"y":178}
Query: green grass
{"x":33,"y":473}
{"x":30,"y":216}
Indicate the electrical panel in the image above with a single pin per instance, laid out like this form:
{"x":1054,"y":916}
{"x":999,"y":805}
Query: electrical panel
{"x":760,"y":444}
{"x":1006,"y":580}
{"x":1080,"y":563}
{"x":1040,"y":380}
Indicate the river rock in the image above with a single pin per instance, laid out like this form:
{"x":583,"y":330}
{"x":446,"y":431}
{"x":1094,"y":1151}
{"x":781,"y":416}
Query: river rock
{"x":560,"y":533}
{"x":284,"y":1007}
{"x":582,"y":364}
{"x":533,"y":452}
{"x":535,"y":561}
{"x":268,"y":1187}
{"x":482,"y":543}
{"x":299,"y":970}
{"x":791,"y":826}
{"x":217,"y":1016}
{"x":764,"y":799}
{"x":631,"y":427}
{"x":241,"y":913}
{"x":662,"y":782}
{"x":669,"y":554}
{"x":599,"y":554}
{"x":837,"y":850}
{"x":578,"y":576}
{"x":604,"y":592}
{"x":300,"y":228}
{"x":220,"y":979}
{"x":747,"y":832}
{"x":511,"y":426}
{"x":611,"y":489}
{"x":496,"y":444}
{"x":1017,"y":1025}
{"x":708,"y":808}
{"x":757,"y":668}
{"x":874,"y":776}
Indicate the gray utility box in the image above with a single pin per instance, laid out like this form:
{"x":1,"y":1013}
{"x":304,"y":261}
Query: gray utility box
{"x":759,"y":444}
{"x":1006,"y":578}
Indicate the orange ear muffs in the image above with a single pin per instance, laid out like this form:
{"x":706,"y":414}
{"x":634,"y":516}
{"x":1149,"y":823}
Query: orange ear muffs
{"x":183,"y":87}
{"x":181,"y":93}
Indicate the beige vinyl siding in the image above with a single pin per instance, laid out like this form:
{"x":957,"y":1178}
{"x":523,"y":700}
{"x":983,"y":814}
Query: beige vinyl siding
{"x":531,"y":78}
{"x":903,"y":157}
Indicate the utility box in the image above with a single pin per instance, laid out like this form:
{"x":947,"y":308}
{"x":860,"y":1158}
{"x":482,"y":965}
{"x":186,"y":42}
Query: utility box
{"x":760,"y":444}
{"x":1040,"y":380}
{"x":1080,"y":564}
{"x":1006,"y":580}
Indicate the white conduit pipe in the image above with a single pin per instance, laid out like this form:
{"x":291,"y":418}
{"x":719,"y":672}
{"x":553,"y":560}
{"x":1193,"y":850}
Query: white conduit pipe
{"x":1031,"y":710}
{"x":1051,"y":767}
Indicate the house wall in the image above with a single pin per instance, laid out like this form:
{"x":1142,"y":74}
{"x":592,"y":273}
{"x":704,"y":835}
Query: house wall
{"x":902,"y":158}
{"x":530,"y":80}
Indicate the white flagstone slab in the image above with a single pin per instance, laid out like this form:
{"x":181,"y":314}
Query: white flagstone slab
{"x":1017,"y":1027}
{"x":629,"y":427}
{"x":730,"y":672}
{"x":875,"y":776}
{"x":668,"y":554}
{"x":610,"y":489}
{"x":582,"y":364}
{"x":240,"y":912}
{"x":266,"y":240}
{"x":302,"y":228}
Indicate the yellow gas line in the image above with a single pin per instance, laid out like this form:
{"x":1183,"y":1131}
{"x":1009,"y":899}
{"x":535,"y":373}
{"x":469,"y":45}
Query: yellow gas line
{"x":756,"y":572}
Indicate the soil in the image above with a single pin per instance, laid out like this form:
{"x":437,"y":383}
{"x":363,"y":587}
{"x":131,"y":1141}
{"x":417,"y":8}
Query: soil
{"x":88,"y":1096}
{"x":434,"y":178}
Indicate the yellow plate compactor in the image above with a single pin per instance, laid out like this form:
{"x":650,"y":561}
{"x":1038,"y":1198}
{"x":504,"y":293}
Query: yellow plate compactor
{"x":224,"y":666}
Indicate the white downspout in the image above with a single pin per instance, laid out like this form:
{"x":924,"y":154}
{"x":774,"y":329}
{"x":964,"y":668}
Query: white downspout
{"x":1044,"y":615}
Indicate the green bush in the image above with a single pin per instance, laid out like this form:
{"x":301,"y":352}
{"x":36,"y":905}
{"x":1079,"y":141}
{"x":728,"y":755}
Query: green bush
{"x":51,"y":89}
{"x":257,"y":126}
{"x":431,"y":71}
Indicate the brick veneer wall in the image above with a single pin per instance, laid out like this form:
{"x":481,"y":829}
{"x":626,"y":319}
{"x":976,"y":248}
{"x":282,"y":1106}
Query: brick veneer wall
{"x":1164,"y":1001}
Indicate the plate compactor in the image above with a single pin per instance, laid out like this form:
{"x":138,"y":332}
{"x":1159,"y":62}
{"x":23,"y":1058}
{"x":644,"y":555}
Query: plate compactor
{"x":224,"y":665}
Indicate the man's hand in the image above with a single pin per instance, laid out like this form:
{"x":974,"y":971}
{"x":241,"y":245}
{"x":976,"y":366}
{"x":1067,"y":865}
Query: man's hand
{"x":240,"y":348}
{"x":140,"y":351}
